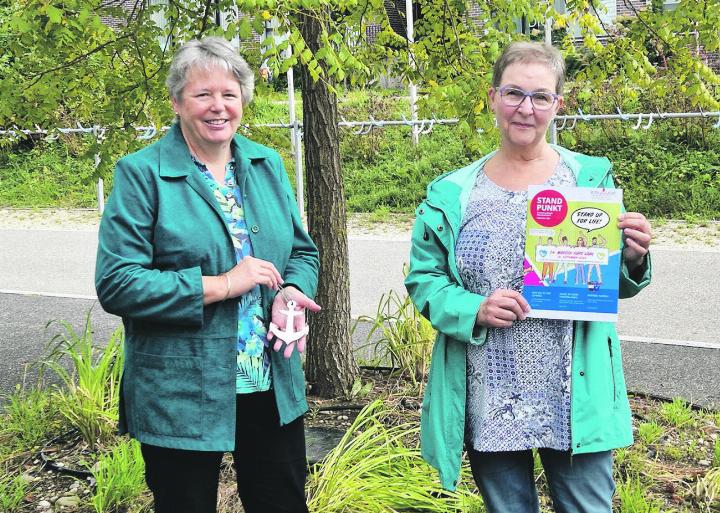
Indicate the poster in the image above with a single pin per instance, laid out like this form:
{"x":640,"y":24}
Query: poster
{"x":572,"y":253}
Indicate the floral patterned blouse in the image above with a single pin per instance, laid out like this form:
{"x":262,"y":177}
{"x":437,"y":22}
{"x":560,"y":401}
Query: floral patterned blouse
{"x":253,"y":357}
{"x":518,"y":382}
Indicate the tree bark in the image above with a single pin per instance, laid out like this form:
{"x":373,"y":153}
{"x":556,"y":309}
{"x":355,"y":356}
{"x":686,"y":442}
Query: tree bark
{"x":331,"y":368}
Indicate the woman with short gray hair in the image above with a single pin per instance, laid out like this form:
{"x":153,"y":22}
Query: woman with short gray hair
{"x":504,"y":383}
{"x":200,"y":246}
{"x":210,"y":52}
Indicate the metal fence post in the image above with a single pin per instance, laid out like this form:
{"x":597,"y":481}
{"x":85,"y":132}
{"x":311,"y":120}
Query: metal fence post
{"x":411,"y":86}
{"x":299,"y":182}
{"x":100,"y":189}
{"x":295,"y":138}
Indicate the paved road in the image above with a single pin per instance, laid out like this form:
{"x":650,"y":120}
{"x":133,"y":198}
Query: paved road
{"x":679,"y":305}
{"x":678,"y":308}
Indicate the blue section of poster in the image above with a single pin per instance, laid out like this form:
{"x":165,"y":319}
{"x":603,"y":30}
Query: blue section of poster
{"x":578,"y":296}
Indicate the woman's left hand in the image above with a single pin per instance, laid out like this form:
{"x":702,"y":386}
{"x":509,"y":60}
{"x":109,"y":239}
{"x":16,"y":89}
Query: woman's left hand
{"x":280,"y":319}
{"x":637,"y":233}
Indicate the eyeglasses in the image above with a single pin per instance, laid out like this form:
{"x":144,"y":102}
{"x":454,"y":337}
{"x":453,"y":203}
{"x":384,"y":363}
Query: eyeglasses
{"x":514,"y":96}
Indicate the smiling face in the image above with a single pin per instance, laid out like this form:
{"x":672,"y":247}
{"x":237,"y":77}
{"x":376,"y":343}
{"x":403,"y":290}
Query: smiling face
{"x":523,"y":125}
{"x":209,"y":108}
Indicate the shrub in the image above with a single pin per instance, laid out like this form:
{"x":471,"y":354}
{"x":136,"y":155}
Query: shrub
{"x":661,"y":176}
{"x":395,"y":174}
{"x":48,"y":175}
{"x":671,"y":170}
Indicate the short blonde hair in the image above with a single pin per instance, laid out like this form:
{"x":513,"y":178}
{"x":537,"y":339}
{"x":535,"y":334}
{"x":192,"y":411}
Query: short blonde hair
{"x":531,"y":52}
{"x":209,"y":52}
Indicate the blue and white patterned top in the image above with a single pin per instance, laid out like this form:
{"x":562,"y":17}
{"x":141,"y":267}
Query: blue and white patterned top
{"x":518,"y":382}
{"x":253,"y":356}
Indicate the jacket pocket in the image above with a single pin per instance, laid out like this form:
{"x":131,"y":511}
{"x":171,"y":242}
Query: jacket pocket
{"x":168,"y":395}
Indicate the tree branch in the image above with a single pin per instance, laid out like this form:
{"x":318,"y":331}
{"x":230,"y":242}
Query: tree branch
{"x":457,"y":38}
{"x":146,"y":82}
{"x":40,"y":75}
{"x":602,"y":24}
{"x":205,"y":17}
{"x":630,"y":6}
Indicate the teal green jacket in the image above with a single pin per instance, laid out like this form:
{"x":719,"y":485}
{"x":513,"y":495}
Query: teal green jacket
{"x":161,"y":232}
{"x":600,"y":413}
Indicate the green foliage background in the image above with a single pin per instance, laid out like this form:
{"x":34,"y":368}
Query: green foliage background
{"x":661,"y":176}
{"x":51,"y":174}
{"x":662,"y":173}
{"x":63,"y":65}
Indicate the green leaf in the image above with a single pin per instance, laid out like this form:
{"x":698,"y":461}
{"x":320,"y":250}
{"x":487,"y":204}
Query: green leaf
{"x":344,"y":55}
{"x":54,"y":14}
{"x":298,"y":45}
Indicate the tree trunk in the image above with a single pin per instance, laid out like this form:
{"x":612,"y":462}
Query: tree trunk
{"x":330,"y":367}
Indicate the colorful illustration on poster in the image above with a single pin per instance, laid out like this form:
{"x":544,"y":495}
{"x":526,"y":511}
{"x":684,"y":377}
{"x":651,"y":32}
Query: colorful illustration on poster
{"x":572,"y":253}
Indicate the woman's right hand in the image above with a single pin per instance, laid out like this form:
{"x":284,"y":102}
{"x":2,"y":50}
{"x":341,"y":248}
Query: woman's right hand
{"x":251,"y":272}
{"x":241,"y":279}
{"x":501,"y":308}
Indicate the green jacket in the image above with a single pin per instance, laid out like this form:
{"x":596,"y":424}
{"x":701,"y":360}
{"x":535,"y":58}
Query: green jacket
{"x":600,"y":413}
{"x":161,"y":232}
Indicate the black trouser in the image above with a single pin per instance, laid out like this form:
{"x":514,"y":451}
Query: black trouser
{"x":269,"y":461}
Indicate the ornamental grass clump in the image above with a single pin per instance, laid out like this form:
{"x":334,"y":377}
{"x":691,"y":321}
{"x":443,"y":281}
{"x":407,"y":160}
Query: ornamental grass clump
{"x":405,"y":336}
{"x":650,"y":432}
{"x":28,"y":420}
{"x":634,"y":495}
{"x":707,"y":491}
{"x":676,"y":413}
{"x":12,"y":491}
{"x":377,"y":468}
{"x":89,"y":399}
{"x":120,"y":479}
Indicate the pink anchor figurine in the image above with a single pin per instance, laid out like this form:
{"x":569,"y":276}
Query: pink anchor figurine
{"x":289,"y":336}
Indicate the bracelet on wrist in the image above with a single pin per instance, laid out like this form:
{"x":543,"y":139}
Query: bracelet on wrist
{"x":229,"y":285}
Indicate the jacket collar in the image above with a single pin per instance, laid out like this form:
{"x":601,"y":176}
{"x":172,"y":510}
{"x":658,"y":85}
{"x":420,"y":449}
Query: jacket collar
{"x":176,"y":162}
{"x":175,"y":158}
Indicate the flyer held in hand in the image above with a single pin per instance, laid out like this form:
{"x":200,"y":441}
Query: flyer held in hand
{"x":572,"y":253}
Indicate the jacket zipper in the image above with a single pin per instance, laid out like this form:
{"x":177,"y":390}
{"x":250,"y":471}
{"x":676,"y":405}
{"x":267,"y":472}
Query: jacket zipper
{"x":612,"y":369}
{"x":572,"y":385}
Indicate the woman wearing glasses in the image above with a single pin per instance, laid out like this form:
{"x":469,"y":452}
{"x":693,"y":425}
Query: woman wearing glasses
{"x":502,"y":383}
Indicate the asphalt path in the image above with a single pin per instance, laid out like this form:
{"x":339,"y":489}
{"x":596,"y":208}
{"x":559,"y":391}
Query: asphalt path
{"x":669,"y":331}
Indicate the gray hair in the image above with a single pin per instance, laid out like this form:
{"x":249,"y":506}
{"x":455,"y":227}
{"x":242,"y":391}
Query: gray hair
{"x":531,"y":52}
{"x":209,"y":52}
